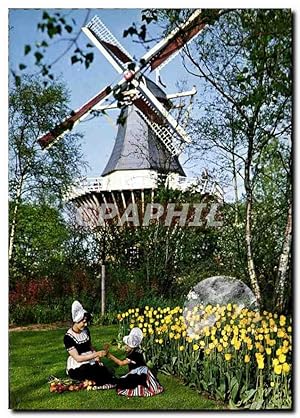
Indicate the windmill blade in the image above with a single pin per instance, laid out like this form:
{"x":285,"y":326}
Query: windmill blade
{"x":163,"y":133}
{"x":161,"y":114}
{"x":59,"y":130}
{"x":104,"y":40}
{"x":170,"y":46}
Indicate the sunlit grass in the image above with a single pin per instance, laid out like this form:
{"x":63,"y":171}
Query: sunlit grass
{"x":35,"y":355}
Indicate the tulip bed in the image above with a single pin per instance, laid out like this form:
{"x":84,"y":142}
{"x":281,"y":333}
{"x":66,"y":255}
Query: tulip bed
{"x":243,"y":359}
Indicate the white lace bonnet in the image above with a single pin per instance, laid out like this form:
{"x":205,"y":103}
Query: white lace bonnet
{"x":77,"y":311}
{"x":134,"y":338}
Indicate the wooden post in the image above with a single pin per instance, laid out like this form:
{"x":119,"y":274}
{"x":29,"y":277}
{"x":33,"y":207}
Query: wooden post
{"x":102,"y":288}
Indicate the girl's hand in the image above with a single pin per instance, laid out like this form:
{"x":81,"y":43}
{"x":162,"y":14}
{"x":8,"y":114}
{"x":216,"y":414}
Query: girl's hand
{"x":101,"y":353}
{"x":106,"y":348}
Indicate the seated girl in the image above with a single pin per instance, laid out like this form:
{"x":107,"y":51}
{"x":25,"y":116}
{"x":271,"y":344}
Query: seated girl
{"x":84,"y":361}
{"x":139,"y":381}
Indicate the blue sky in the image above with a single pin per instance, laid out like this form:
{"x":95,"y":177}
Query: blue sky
{"x":84,"y":83}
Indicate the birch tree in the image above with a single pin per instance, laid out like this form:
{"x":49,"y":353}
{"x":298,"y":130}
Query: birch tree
{"x":34,"y":175}
{"x":244,"y":60}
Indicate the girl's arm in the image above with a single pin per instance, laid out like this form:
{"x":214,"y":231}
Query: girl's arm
{"x":85,"y":357}
{"x":118,"y":361}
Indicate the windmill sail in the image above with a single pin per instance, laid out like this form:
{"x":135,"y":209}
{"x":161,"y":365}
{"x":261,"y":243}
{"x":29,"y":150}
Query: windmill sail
{"x":107,"y":43}
{"x":48,"y":139}
{"x":175,"y":41}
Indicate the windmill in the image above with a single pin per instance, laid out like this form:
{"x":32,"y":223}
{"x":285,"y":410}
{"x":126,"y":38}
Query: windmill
{"x":149,"y":139}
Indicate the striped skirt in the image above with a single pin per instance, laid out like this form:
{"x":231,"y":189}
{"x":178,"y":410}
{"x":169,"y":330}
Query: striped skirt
{"x":152,"y":388}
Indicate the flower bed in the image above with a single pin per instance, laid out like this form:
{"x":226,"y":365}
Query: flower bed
{"x":244,"y":358}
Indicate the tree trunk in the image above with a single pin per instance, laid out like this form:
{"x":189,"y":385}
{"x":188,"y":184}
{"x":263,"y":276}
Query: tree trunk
{"x":250,"y":261}
{"x":236,"y":193}
{"x":248,"y":229}
{"x":12,"y":233}
{"x":283,"y":268}
{"x":102,"y":288}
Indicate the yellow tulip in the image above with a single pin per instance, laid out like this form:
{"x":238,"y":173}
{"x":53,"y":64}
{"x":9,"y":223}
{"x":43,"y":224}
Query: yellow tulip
{"x":181,"y":348}
{"x":228,"y":356}
{"x":280,"y":333}
{"x":278,"y":369}
{"x":285,"y":350}
{"x":237,"y":345}
{"x":282,"y":358}
{"x":286,"y":367}
{"x":246,"y":358}
{"x":195,"y":347}
{"x":282,"y":320}
{"x":268,"y":350}
{"x":260,"y":363}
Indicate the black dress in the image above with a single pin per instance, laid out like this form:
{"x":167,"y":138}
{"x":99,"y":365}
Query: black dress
{"x":90,"y":369}
{"x":140,"y":381}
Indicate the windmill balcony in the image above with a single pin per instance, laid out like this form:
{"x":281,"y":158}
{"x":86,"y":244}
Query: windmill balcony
{"x":143,"y":181}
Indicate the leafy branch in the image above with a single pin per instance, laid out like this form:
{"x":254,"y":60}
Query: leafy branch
{"x":54,"y":27}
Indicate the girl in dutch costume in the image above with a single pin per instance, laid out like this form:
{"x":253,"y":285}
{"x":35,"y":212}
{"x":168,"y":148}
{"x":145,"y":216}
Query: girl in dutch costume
{"x":84,"y":361}
{"x":139,"y":381}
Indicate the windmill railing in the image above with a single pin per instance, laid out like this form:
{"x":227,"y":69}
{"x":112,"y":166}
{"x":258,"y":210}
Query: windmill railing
{"x":203,"y":185}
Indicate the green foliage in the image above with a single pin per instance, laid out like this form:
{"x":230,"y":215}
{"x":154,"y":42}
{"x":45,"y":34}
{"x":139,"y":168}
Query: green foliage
{"x":39,"y":240}
{"x":33,"y":110}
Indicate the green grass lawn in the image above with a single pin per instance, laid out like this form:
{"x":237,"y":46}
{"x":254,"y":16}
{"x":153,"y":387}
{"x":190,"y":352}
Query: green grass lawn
{"x":35,"y":355}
